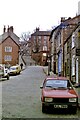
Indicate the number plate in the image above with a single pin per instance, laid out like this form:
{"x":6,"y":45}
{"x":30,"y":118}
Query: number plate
{"x":60,"y":106}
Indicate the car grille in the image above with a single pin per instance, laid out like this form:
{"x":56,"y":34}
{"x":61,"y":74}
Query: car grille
{"x":60,"y":100}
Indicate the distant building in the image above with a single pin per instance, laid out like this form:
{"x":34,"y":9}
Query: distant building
{"x":40,"y":46}
{"x":9,"y":47}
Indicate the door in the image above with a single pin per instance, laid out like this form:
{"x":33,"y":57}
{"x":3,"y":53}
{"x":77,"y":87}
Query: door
{"x":77,"y":70}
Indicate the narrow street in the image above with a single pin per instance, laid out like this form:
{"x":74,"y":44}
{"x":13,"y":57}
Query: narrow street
{"x":21,"y":96}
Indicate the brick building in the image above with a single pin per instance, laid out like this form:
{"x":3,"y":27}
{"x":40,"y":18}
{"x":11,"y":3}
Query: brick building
{"x":72,"y":55}
{"x":62,"y":46}
{"x":9,"y":47}
{"x":40,"y":46}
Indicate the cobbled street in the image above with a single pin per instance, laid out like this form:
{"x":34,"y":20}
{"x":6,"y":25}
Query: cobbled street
{"x":21,"y":96}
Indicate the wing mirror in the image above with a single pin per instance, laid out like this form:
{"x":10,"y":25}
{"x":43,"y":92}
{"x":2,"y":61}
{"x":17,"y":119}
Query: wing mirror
{"x":41,"y":86}
{"x":76,"y":86}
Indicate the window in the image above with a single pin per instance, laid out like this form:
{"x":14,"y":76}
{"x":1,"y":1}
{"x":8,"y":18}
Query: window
{"x":44,"y":48}
{"x":59,"y":39}
{"x":8,"y":49}
{"x":39,"y":37}
{"x":34,"y":37}
{"x":73,"y":65}
{"x":45,"y":40}
{"x":8,"y":58}
{"x":45,"y":37}
{"x":73,"y":40}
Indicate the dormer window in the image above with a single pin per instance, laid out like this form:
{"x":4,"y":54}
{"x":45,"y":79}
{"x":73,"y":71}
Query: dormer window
{"x":73,"y":40}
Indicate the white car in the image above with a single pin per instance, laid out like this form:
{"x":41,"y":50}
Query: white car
{"x":14,"y":70}
{"x":4,"y":72}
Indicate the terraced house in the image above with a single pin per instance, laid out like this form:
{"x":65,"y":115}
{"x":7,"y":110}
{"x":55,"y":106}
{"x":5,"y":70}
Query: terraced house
{"x":9,"y":47}
{"x":72,"y":55}
{"x":64,"y":59}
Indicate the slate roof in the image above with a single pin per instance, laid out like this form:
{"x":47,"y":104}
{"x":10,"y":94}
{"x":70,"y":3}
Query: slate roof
{"x":5,"y":35}
{"x":66,"y":23}
{"x":41,"y":33}
{"x":72,"y":32}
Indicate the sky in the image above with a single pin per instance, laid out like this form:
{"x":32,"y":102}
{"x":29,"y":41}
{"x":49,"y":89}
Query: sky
{"x":26,"y":15}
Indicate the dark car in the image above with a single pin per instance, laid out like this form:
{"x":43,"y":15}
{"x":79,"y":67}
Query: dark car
{"x":58,"y":93}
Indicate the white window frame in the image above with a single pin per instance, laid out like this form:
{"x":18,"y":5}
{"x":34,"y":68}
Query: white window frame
{"x":45,"y":48}
{"x":73,"y":40}
{"x":59,"y":39}
{"x":7,"y":58}
{"x":39,"y":37}
{"x":73,"y":65}
{"x":8,"y":49}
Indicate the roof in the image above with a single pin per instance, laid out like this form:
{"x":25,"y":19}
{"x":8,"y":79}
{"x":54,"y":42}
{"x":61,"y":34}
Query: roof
{"x":72,"y":32}
{"x":5,"y":35}
{"x":53,"y":31}
{"x":41,"y":33}
{"x":70,"y":21}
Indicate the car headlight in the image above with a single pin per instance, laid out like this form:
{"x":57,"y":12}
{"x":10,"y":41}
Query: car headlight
{"x":48,"y":99}
{"x":72,"y":99}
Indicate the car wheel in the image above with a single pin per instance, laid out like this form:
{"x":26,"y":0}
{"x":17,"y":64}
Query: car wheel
{"x":18,"y":73}
{"x":43,"y":108}
{"x":74,"y":110}
{"x":7,"y":77}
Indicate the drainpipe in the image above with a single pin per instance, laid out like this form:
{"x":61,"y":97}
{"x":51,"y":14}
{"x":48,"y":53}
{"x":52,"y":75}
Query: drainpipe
{"x":48,"y":64}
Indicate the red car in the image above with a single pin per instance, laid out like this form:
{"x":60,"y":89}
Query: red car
{"x":58,"y":93}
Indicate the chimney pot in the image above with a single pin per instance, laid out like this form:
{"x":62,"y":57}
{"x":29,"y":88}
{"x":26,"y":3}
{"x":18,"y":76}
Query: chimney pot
{"x":37,"y":29}
{"x":11,"y":29}
{"x":62,"y":19}
{"x":8,"y":29}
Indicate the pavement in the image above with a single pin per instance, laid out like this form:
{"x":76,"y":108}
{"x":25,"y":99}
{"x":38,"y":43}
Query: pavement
{"x":45,"y":70}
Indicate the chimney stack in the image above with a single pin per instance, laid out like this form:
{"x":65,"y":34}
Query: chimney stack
{"x":11,"y":29}
{"x":62,"y":19}
{"x":8,"y":29}
{"x":37,"y":29}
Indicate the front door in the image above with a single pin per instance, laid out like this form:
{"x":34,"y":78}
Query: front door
{"x":77,"y":70}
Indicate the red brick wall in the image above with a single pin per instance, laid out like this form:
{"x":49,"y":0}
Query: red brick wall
{"x":14,"y":53}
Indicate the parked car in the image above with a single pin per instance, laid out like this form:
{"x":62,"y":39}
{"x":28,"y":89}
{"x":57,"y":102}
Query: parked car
{"x":14,"y":70}
{"x":58,"y":93}
{"x":4,"y":72}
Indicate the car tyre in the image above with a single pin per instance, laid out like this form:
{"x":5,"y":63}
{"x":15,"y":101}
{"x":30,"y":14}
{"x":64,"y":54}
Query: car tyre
{"x":8,"y":77}
{"x":75,"y":111}
{"x":43,"y":108}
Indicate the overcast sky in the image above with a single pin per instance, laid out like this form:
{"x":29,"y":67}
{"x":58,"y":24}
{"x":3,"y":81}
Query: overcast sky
{"x":26,"y":15}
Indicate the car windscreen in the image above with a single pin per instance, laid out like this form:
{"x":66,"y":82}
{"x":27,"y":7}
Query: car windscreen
{"x":57,"y":83}
{"x":13,"y":68}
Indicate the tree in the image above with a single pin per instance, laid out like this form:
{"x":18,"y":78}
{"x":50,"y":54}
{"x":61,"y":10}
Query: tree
{"x":25,"y":42}
{"x":25,"y":36}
